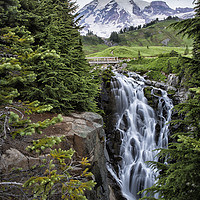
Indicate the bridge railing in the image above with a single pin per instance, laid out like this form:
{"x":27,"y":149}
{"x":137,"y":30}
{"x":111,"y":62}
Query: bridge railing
{"x":103,"y":60}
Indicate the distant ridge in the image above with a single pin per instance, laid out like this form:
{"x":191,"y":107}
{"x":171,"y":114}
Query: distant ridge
{"x":105,"y":16}
{"x":154,"y":34}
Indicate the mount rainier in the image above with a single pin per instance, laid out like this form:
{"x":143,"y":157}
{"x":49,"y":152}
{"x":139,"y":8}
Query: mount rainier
{"x":105,"y":16}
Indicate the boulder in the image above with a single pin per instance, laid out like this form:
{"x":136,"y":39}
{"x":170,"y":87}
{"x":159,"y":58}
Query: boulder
{"x":15,"y":159}
{"x":84,"y":133}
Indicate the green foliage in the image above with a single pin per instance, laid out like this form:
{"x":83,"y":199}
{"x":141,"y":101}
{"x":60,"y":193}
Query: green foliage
{"x":61,"y":176}
{"x":188,"y":69}
{"x":179,"y":179}
{"x":64,"y":78}
{"x":114,"y":37}
{"x":91,"y":40}
{"x":13,"y":122}
{"x":41,"y":54}
{"x":107,"y":76}
{"x":190,"y":28}
{"x":90,"y":49}
{"x":13,"y":73}
{"x":139,"y":55}
{"x":186,"y":52}
{"x":132,"y":52}
{"x":31,"y":128}
{"x":49,"y":57}
{"x":8,"y":12}
{"x":14,"y":77}
{"x":43,"y":143}
{"x":155,"y":68}
{"x":170,"y":54}
{"x":152,"y":35}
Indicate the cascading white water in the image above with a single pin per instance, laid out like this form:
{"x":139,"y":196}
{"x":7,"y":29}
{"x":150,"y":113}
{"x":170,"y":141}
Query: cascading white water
{"x":140,"y":137}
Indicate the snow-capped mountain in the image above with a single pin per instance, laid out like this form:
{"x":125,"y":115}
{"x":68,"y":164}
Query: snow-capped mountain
{"x":105,"y":16}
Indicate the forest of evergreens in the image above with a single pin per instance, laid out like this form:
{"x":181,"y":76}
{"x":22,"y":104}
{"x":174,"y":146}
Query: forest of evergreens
{"x":43,"y":69}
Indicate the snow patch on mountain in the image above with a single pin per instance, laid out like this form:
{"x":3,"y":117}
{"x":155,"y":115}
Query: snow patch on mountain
{"x":105,"y":16}
{"x":141,"y":4}
{"x":185,"y":15}
{"x":102,"y":4}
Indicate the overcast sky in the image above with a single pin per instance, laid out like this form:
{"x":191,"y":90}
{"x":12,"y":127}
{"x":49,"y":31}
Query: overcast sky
{"x":171,"y":3}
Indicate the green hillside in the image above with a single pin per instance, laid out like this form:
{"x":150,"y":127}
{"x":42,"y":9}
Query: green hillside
{"x":154,"y":35}
{"x":132,"y":52}
{"x":93,"y":44}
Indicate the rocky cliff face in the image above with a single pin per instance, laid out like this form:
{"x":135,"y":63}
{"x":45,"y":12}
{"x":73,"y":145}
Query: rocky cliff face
{"x":105,"y":16}
{"x":83,"y":132}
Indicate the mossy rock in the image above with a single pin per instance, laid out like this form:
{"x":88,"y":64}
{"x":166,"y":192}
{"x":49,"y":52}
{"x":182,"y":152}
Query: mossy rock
{"x":171,"y":92}
{"x":147,"y":91}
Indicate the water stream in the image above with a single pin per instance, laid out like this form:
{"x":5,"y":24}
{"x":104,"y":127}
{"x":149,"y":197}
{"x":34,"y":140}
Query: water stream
{"x":142,"y":129}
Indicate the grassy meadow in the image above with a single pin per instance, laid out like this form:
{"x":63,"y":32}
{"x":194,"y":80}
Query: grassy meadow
{"x":155,"y":68}
{"x":145,"y":48}
{"x":132,"y":52}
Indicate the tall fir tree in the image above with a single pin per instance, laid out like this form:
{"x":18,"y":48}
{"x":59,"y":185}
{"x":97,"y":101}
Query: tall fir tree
{"x":64,"y":78}
{"x":114,"y":37}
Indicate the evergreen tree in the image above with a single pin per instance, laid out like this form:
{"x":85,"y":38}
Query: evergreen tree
{"x":139,"y":55}
{"x":121,"y":31}
{"x":13,"y":73}
{"x":59,"y":180}
{"x":8,"y":12}
{"x":64,"y":78}
{"x":131,"y":28}
{"x":114,"y":37}
{"x":191,"y":29}
{"x":186,"y":52}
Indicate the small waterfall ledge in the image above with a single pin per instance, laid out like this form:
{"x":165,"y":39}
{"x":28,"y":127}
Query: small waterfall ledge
{"x":139,"y":129}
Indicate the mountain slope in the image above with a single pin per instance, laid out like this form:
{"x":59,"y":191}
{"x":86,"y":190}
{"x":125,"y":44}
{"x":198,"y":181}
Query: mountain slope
{"x":154,"y":35}
{"x":105,"y":16}
{"x":157,"y":34}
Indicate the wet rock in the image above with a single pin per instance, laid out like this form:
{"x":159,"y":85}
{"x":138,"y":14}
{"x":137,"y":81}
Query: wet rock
{"x":124,"y":65}
{"x":160,"y":85}
{"x":173,"y":80}
{"x":148,"y":82}
{"x":112,"y":195}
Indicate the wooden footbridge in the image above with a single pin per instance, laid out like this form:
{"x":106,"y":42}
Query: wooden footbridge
{"x":103,"y":60}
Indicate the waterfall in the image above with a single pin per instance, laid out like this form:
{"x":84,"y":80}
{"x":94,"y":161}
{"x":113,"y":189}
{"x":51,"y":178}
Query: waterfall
{"x":142,"y":130}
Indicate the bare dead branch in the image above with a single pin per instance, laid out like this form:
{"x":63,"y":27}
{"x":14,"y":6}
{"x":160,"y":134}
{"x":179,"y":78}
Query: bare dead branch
{"x":11,"y":183}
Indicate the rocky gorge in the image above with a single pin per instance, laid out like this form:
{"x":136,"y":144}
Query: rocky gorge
{"x":92,"y":136}
{"x":114,"y":133}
